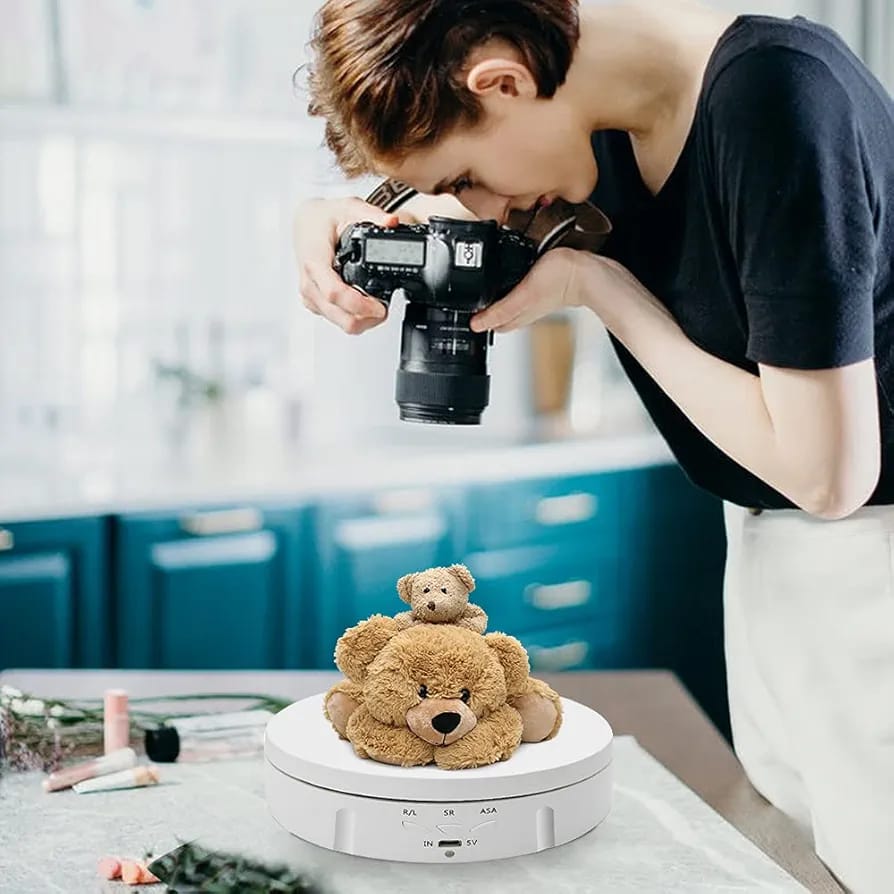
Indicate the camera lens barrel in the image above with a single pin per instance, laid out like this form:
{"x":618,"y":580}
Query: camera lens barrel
{"x":442,"y":377}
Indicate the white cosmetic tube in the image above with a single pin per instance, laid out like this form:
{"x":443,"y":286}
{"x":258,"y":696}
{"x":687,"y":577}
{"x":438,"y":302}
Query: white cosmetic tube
{"x":133,"y":778}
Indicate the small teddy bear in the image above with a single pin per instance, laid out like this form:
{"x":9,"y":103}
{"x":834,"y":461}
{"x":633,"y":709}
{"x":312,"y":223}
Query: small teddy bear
{"x":440,"y":596}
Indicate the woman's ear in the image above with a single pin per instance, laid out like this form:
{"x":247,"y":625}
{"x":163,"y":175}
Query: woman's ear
{"x":498,"y":77}
{"x":405,"y":587}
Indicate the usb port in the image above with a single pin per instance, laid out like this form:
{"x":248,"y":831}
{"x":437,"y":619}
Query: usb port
{"x":450,"y":843}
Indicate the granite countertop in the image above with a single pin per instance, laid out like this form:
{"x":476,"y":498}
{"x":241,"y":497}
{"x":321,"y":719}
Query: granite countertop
{"x":684,"y":817}
{"x":659,"y":837}
{"x":115,"y":484}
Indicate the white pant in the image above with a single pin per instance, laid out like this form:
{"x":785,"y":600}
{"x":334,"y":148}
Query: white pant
{"x":809,"y":616}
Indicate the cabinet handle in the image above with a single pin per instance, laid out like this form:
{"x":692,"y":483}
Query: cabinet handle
{"x":369,"y":533}
{"x":554,"y":596}
{"x":567,"y":509}
{"x":7,"y":541}
{"x":558,"y":657}
{"x":222,"y":521}
{"x":394,"y":502}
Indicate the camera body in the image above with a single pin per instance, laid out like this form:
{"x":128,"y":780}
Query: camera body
{"x":448,"y":270}
{"x":447,"y":263}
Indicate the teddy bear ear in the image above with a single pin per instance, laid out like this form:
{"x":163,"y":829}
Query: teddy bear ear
{"x":514,"y":658}
{"x":358,"y":646}
{"x":405,"y":588}
{"x":464,"y":576}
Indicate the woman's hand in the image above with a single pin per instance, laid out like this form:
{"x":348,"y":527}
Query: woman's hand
{"x":550,"y":285}
{"x":567,"y":277}
{"x":318,"y":225}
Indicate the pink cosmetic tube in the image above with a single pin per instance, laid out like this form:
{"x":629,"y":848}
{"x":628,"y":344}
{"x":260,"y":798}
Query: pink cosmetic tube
{"x":115,"y":720}
{"x":122,"y":759}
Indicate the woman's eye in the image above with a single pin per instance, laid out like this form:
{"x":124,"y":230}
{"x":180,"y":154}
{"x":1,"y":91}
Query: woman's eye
{"x":423,"y":692}
{"x":443,"y":589}
{"x":425,"y":590}
{"x":465,"y":695}
{"x":461,"y":184}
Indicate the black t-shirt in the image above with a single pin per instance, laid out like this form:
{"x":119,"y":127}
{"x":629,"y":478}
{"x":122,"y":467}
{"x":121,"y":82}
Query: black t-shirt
{"x":772,"y":241}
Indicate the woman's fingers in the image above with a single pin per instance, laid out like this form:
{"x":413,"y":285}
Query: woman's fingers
{"x":327,"y":287}
{"x":325,"y":293}
{"x":503,"y":314}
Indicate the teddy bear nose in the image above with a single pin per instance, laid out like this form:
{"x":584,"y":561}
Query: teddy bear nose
{"x":445,"y":722}
{"x":431,"y":606}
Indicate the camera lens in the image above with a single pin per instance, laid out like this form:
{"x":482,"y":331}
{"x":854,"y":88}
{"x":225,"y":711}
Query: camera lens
{"x":442,"y":376}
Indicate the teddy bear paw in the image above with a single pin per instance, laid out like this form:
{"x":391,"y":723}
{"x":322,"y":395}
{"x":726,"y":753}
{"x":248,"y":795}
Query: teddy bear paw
{"x":404,"y":620}
{"x":540,"y":715}
{"x":339,"y":708}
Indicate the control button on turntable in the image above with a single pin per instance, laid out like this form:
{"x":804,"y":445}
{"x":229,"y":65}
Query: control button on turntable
{"x":451,"y":829}
{"x":483,"y":827}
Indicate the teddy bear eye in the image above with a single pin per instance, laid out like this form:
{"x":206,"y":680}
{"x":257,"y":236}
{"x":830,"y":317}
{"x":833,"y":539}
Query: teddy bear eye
{"x":423,"y":692}
{"x":425,"y":590}
{"x":443,"y":589}
{"x":465,"y":695}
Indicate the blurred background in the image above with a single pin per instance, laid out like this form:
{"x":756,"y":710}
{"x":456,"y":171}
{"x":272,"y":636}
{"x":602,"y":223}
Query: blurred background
{"x":187,"y":454}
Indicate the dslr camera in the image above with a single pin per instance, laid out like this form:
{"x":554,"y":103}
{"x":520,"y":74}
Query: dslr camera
{"x":447,"y":270}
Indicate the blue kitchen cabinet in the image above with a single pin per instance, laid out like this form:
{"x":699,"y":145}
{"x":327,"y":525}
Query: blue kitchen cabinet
{"x":673,"y":579}
{"x":366,"y":542}
{"x":212,"y":588}
{"x":546,"y":553}
{"x":546,"y":585}
{"x":558,"y":509}
{"x":54,"y":593}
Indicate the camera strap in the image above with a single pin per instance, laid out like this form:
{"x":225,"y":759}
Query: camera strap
{"x":582,"y":226}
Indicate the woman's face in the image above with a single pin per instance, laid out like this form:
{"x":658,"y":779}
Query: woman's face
{"x":521,"y":154}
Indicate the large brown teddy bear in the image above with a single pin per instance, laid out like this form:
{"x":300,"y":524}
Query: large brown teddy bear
{"x":437,"y":693}
{"x":440,"y":596}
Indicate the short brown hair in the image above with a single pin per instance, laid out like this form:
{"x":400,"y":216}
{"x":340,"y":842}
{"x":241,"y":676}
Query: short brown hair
{"x":387,"y":74}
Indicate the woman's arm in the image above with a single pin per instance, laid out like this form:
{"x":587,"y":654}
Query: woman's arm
{"x":811,"y":434}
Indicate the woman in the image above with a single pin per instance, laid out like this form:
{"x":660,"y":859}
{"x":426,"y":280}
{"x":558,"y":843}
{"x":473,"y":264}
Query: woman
{"x":746,"y":166}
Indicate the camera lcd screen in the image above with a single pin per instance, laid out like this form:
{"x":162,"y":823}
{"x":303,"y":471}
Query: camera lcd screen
{"x":396,"y":251}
